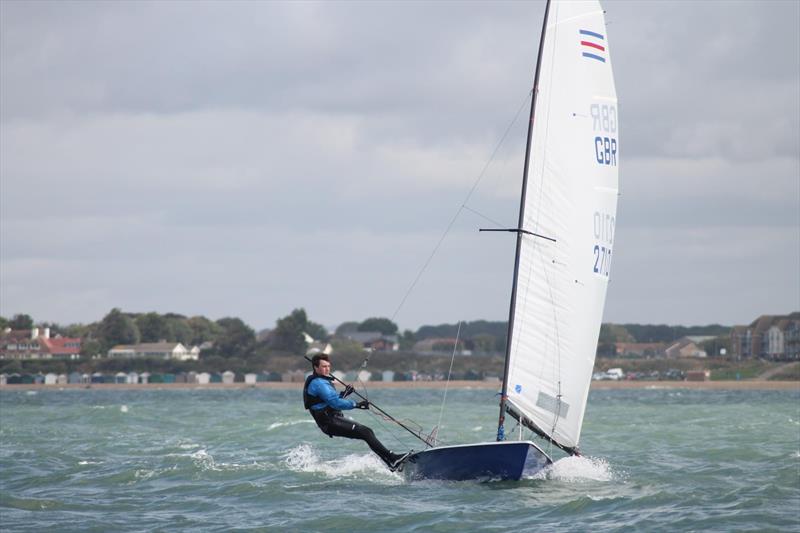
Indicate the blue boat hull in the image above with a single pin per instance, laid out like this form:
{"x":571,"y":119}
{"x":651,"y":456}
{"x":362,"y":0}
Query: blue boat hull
{"x":506,"y":460}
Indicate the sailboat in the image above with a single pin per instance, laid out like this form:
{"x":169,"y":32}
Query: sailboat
{"x":565,"y":238}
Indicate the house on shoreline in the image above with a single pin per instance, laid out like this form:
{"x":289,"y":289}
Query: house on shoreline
{"x":158,"y":350}
{"x":774,"y":337}
{"x":36,"y":343}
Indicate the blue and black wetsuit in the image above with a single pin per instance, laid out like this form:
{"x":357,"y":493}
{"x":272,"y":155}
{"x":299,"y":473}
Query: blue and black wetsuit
{"x":325,"y":405}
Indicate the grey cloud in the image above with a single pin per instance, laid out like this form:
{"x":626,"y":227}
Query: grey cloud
{"x":314,"y":152}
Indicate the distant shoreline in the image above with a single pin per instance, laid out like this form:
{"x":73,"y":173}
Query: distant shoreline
{"x":596,"y":385}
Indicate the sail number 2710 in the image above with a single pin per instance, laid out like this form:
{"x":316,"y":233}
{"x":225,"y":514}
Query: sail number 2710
{"x":603,"y":241}
{"x":604,"y":126}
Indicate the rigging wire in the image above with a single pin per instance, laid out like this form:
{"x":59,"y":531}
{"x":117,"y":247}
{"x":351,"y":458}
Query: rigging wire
{"x":447,"y":383}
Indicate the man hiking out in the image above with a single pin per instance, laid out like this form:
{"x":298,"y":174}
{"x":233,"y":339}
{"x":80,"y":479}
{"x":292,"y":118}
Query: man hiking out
{"x":326,"y":406}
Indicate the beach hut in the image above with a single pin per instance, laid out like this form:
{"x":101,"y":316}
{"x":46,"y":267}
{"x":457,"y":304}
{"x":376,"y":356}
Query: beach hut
{"x":62,"y":379}
{"x":144,"y":378}
{"x":14,"y":379}
{"x":75,"y":378}
{"x":364,"y":375}
{"x":120,"y":378}
{"x":180,"y":377}
{"x":216,"y":377}
{"x":250,"y":378}
{"x":169,"y":377}
{"x":38,"y":379}
{"x":191,"y":377}
{"x":50,"y":378}
{"x":228,"y":377}
{"x":132,"y":378}
{"x":388,"y":375}
{"x":203,"y":378}
{"x":3,"y":379}
{"x":338,"y":374}
{"x":293,"y":376}
{"x":156,"y":378}
{"x":97,"y":377}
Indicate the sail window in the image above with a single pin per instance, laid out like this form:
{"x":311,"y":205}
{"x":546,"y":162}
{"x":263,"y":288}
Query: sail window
{"x":554,"y":405}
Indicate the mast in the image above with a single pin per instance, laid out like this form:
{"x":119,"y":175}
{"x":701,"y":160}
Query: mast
{"x":504,"y":390}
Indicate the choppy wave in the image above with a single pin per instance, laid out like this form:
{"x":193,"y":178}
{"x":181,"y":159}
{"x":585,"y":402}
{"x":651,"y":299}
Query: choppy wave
{"x":252,"y":459}
{"x":577,"y":469}
{"x":303,"y":458}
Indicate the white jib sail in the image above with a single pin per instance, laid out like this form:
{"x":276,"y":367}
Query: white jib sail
{"x":571,"y":197}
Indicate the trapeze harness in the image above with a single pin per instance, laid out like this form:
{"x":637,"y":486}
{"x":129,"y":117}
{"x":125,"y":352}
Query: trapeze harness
{"x":321,"y":416}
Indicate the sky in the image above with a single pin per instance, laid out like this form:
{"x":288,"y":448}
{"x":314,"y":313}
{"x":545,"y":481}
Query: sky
{"x":246,"y":159}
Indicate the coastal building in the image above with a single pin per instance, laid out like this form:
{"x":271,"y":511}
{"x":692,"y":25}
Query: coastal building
{"x":775,"y":337}
{"x":688,"y":347}
{"x":228,"y":377}
{"x":158,"y":350}
{"x":37,"y":343}
{"x":203,"y":378}
{"x":639,"y":349}
{"x":251,"y":378}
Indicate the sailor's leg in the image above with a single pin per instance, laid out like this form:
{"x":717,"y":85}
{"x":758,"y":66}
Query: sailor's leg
{"x":343,"y":427}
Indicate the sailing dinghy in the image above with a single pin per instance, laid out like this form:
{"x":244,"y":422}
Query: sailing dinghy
{"x":565,"y":237}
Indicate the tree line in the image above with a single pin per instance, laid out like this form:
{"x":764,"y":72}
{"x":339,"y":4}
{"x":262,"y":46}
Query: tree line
{"x":231,"y":337}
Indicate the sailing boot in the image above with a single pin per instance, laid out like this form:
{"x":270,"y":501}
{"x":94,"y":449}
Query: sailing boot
{"x":395,"y":460}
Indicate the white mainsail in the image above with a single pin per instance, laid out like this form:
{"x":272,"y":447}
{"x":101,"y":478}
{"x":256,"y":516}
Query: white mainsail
{"x":571,"y":196}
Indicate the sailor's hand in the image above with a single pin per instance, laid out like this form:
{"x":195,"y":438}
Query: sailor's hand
{"x":363,"y":404}
{"x":348,"y":390}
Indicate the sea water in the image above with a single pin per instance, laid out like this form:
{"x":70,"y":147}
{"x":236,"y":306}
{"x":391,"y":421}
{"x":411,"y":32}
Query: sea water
{"x":252,"y":459}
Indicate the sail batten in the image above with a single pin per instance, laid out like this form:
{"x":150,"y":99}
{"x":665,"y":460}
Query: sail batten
{"x":571,"y":195}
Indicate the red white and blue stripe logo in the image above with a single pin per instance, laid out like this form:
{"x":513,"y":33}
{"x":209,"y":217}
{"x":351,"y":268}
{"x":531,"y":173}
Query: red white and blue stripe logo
{"x":593,"y":45}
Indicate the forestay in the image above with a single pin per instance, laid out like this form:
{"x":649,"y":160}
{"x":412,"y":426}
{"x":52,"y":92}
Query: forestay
{"x":571,"y":196}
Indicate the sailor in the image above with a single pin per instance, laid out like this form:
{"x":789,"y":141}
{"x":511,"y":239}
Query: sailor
{"x":326,"y":406}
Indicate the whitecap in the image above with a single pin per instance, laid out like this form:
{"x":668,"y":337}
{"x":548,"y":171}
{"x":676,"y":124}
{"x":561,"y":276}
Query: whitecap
{"x":31,"y":392}
{"x":206,"y":461}
{"x":276,"y":425}
{"x":90,"y":463}
{"x":477,"y":428}
{"x":577,"y":469}
{"x":303,"y":458}
{"x":123,"y":409}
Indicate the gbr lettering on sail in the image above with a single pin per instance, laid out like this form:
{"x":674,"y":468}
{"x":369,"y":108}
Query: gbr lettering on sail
{"x":604,"y":129}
